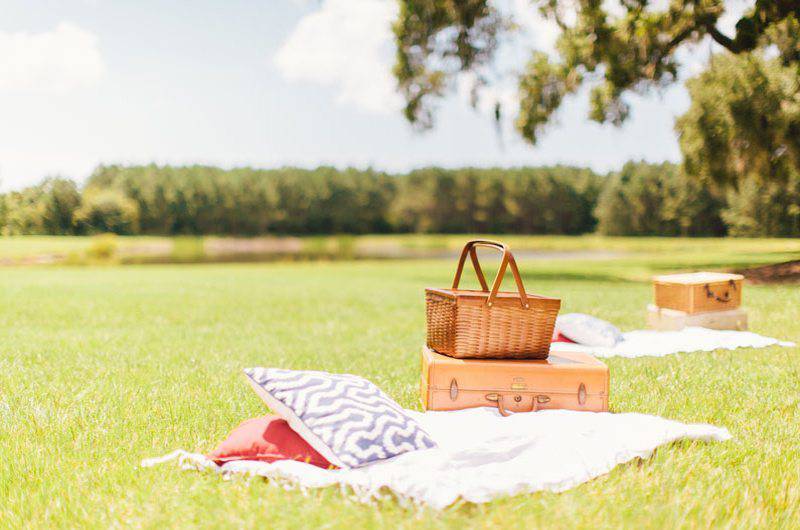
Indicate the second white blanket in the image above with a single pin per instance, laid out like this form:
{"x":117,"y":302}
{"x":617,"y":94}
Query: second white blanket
{"x":482,"y":456}
{"x":642,"y":343}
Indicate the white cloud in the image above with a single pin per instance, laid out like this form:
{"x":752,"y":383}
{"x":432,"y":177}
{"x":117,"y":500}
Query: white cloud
{"x":348,"y":45}
{"x":535,"y":31}
{"x":345,"y":44}
{"x":65,"y":58}
{"x":734,"y":9}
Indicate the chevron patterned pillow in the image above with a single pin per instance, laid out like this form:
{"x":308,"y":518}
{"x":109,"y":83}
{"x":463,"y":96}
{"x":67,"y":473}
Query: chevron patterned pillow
{"x":347,"y":419}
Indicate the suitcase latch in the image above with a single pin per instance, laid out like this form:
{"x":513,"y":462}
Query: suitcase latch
{"x":582,"y":394}
{"x":541,"y":398}
{"x":453,"y":390}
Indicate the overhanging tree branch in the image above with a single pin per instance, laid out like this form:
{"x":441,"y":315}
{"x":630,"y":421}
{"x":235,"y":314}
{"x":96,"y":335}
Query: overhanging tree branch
{"x":722,"y":39}
{"x":635,"y":50}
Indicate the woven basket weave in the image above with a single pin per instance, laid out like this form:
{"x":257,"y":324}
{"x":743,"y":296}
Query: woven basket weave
{"x":489,"y":324}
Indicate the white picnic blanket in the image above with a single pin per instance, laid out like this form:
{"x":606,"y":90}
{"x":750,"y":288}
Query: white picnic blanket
{"x":642,"y":343}
{"x":482,"y":456}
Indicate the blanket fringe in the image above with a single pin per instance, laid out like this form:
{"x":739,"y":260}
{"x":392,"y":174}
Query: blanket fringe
{"x":363,"y":495}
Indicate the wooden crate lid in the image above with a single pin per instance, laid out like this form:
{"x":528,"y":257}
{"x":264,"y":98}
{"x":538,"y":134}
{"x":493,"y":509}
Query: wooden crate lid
{"x":694,"y":278}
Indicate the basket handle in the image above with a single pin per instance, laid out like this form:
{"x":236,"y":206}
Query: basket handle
{"x":507,"y":261}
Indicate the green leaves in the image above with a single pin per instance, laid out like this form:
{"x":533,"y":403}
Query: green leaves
{"x":435,"y":40}
{"x":606,"y":104}
{"x":743,"y":121}
{"x":47,"y":208}
{"x":742,"y":131}
{"x":541,"y":89}
{"x":630,"y":49}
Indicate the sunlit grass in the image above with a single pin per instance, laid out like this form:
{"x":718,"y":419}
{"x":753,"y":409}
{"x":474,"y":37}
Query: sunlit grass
{"x":104,"y":366}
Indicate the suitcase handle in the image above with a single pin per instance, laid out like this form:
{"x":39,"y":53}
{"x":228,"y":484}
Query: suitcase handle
{"x":723,"y":299}
{"x":498,"y":398}
{"x":507,"y":261}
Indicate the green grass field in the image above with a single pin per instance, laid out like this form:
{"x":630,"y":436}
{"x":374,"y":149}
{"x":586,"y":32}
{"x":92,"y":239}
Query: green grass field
{"x":104,"y":366}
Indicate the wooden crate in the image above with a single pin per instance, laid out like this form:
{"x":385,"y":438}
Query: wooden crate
{"x":698,"y":292}
{"x":663,"y":319}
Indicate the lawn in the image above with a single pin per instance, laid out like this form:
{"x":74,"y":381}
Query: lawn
{"x":103,"y":366}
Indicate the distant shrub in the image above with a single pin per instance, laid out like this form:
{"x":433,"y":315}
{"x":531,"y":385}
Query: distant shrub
{"x":107,"y":210}
{"x":103,"y":247}
{"x":60,"y":201}
{"x":188,"y":249}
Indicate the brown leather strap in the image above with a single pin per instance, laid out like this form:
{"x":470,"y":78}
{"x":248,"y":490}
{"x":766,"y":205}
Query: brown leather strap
{"x":502,"y":410}
{"x":507,"y":260}
{"x":725,"y":298}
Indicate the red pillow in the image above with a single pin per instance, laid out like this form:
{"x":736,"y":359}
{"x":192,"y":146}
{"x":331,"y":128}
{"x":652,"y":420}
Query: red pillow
{"x":561,"y":338}
{"x":266,"y":439}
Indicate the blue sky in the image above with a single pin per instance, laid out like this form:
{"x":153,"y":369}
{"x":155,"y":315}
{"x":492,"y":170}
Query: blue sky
{"x":266,"y":84}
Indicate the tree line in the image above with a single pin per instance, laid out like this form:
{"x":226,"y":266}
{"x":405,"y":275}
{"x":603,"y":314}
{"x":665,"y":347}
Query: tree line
{"x":640,"y":199}
{"x":740,"y":176}
{"x":208,"y":200}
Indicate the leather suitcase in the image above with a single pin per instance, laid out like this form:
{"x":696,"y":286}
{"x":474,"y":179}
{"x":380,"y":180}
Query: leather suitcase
{"x":565,"y":380}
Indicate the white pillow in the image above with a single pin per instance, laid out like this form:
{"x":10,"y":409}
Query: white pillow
{"x":347,"y":419}
{"x":588,"y":330}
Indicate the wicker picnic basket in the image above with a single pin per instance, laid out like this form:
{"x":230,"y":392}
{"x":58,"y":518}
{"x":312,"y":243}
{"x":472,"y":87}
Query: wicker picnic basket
{"x":489,"y":324}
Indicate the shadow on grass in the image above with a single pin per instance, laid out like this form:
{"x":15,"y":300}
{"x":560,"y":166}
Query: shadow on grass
{"x":574,"y":277}
{"x":531,"y":278}
{"x":705,"y":265}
